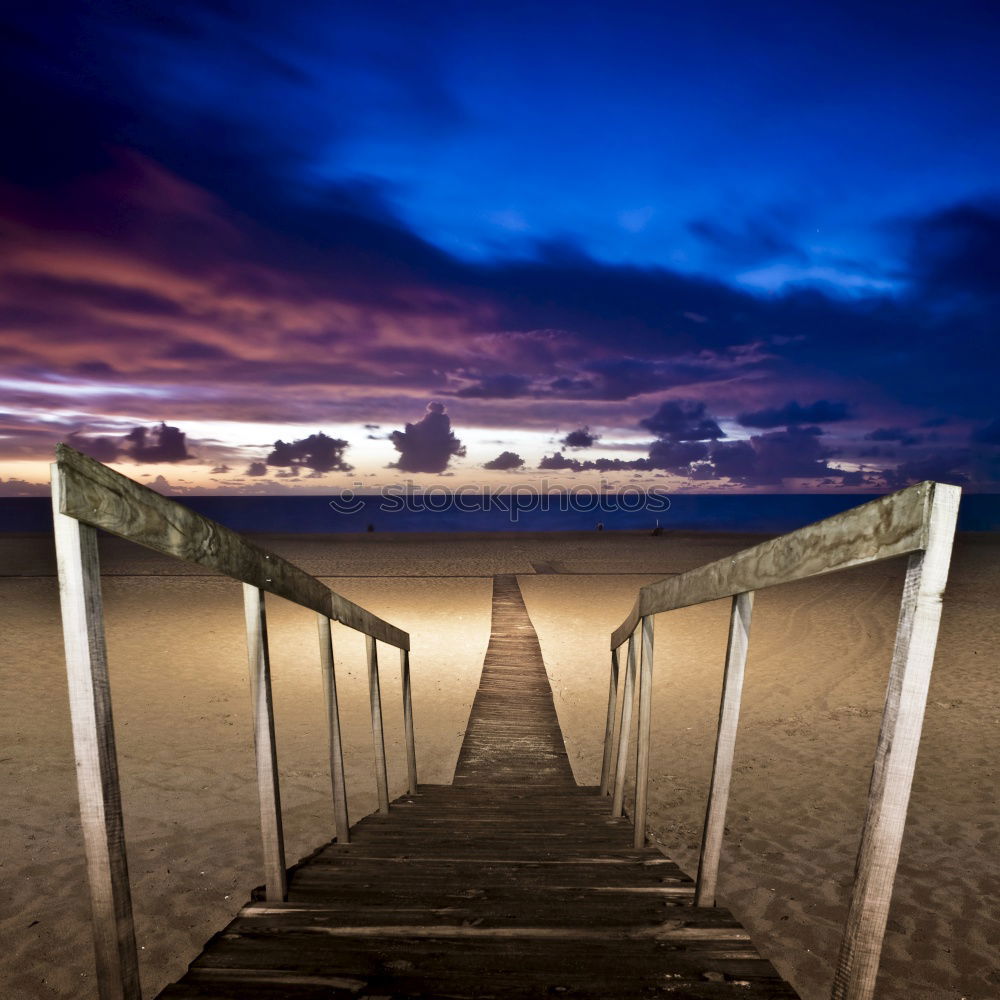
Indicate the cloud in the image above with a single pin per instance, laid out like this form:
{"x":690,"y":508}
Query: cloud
{"x":505,"y":460}
{"x":256,"y":469}
{"x":317,"y":452}
{"x":677,"y":456}
{"x":220,"y":470}
{"x":820,"y":412}
{"x":505,"y":386}
{"x":946,"y":467}
{"x":904,"y":437}
{"x":580,"y":438}
{"x":990,"y":434}
{"x":559,"y":462}
{"x":103,"y":449}
{"x":161,"y":485}
{"x":429,"y":444}
{"x":769,"y":459}
{"x":758,"y":240}
{"x":156,"y":444}
{"x":22,"y":488}
{"x":953,"y":252}
{"x":683,"y":420}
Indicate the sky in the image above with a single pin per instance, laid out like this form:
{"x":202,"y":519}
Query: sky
{"x":256,"y":247}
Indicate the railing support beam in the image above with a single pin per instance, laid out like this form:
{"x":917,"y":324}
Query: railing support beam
{"x":896,"y":754}
{"x":643,"y":734}
{"x":411,"y":747}
{"x":609,"y":727}
{"x":96,"y":759}
{"x":272,"y":837}
{"x":378,"y":737}
{"x":336,"y":747}
{"x":725,"y":745}
{"x":624,"y":730}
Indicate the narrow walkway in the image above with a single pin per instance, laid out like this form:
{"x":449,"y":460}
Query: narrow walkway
{"x":513,"y":882}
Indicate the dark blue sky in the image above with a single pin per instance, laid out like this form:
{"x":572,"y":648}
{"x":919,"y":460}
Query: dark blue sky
{"x":308,"y":217}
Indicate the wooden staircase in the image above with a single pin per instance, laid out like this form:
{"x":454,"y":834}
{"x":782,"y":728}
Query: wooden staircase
{"x":511,"y":882}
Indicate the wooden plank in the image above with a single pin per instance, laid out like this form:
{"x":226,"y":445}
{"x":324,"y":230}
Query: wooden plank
{"x":609,"y":726}
{"x":896,"y":753}
{"x":643,"y":736}
{"x":408,"y":737}
{"x":725,"y":746}
{"x":268,"y":792}
{"x":99,"y":496}
{"x":378,"y":737}
{"x":884,"y":528}
{"x":336,"y":749}
{"x":94,"y":750}
{"x":624,"y":731}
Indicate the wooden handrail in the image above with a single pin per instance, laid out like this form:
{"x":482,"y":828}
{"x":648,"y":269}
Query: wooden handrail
{"x":918,"y":522}
{"x":96,"y":495}
{"x":87,"y":495}
{"x":893,"y":525}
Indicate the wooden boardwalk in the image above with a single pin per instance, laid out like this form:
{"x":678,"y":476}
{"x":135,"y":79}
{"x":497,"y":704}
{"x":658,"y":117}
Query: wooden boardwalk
{"x":512,"y":882}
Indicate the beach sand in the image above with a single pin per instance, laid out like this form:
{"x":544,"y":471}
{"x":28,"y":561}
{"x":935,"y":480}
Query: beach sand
{"x":815,"y":683}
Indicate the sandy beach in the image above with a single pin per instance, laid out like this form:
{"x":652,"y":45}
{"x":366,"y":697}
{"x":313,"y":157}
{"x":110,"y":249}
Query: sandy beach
{"x":815,"y":683}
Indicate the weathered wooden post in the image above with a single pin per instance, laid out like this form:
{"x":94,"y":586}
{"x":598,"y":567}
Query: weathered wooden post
{"x":625,"y":730}
{"x":643,"y":735}
{"x":378,"y":738}
{"x":896,"y":751}
{"x":609,"y":726}
{"x":336,"y":748}
{"x":411,"y":748}
{"x":272,"y":838}
{"x":725,"y":745}
{"x":94,"y":749}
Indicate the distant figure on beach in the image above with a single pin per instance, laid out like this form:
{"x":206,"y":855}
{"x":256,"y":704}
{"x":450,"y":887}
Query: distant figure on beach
{"x":371,"y":527}
{"x":657,"y":530}
{"x":600,"y":525}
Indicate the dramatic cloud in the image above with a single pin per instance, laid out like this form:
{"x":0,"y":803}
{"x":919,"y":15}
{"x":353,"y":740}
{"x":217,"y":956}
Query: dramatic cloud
{"x":505,"y":460}
{"x":198,"y":219}
{"x":677,"y":456}
{"x":580,"y":438}
{"x":318,"y":452}
{"x":429,"y":444}
{"x":256,"y":469}
{"x":157,"y":444}
{"x":685,"y":420}
{"x":820,"y":412}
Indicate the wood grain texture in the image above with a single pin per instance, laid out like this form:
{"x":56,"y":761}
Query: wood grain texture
{"x":96,"y":759}
{"x":335,"y":742}
{"x":609,"y":725}
{"x":643,"y":732}
{"x":896,"y":753}
{"x":378,"y":735}
{"x":725,"y":746}
{"x":513,"y":735}
{"x":99,"y":496}
{"x":624,"y":731}
{"x":272,"y":838}
{"x":408,"y":735}
{"x":884,"y":528}
{"x":511,"y":883}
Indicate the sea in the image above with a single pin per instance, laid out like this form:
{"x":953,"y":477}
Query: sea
{"x":758,"y":512}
